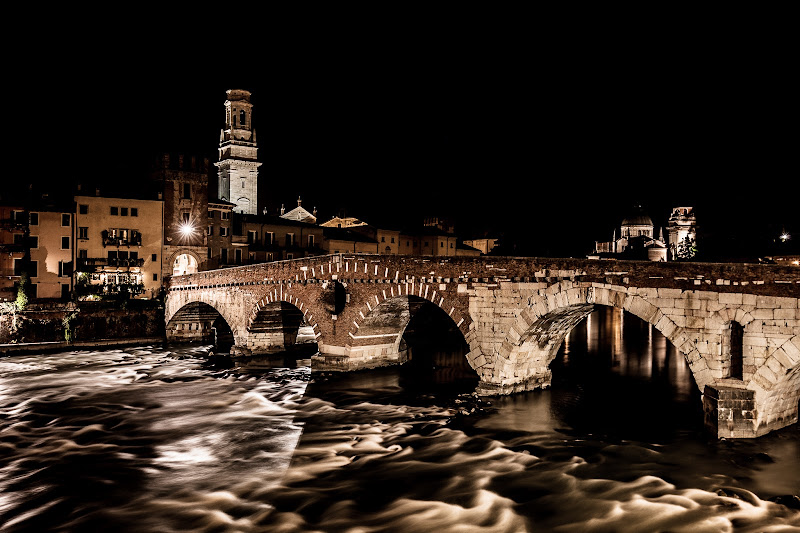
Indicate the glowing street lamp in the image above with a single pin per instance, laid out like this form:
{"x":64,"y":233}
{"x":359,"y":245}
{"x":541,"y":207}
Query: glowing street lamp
{"x":186,"y":230}
{"x":785,"y":236}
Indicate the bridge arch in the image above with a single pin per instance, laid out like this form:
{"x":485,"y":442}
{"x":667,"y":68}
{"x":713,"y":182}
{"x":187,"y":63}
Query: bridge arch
{"x":198,"y":321}
{"x":275,"y":322}
{"x":411,"y":329}
{"x":532,"y":343}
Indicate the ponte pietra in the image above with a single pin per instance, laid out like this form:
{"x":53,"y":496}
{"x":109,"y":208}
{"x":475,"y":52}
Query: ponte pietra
{"x":737,"y":325}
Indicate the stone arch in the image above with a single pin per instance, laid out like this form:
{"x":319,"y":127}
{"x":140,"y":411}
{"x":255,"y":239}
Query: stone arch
{"x":179,"y":252}
{"x":200,"y":317}
{"x":777,"y":386}
{"x":533,"y":341}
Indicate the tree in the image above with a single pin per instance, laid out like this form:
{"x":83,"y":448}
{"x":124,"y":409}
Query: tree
{"x":22,"y":292}
{"x":687,"y":248}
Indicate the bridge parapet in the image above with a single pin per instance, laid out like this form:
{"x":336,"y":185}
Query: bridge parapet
{"x":515,"y":312}
{"x":768,"y":280}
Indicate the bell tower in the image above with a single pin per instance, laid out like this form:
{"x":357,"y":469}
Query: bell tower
{"x":237,"y":168}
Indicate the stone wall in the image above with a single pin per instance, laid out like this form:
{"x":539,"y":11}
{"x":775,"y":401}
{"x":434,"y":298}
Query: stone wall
{"x":88,"y":321}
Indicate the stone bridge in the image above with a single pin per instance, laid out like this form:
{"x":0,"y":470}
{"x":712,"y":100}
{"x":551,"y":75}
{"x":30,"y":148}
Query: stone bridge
{"x":737,"y":325}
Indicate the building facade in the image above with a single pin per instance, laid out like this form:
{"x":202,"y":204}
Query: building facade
{"x":118,"y":246}
{"x":13,"y":249}
{"x":50,"y":240}
{"x":182,"y":182}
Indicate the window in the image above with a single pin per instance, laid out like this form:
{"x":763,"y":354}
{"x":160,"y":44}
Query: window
{"x":383,"y":238}
{"x":114,"y":211}
{"x":210,"y":230}
{"x":123,"y":211}
{"x":310,"y":241}
{"x":392,"y":240}
{"x":187,"y":191}
{"x":237,"y":254}
{"x":223,"y":255}
{"x":83,"y":232}
{"x":66,"y":220}
{"x":252,"y":237}
{"x":83,"y":209}
{"x":733,"y":346}
{"x":210,"y":214}
{"x":155,"y":277}
{"x":34,"y":270}
{"x":65,"y":243}
{"x":223,"y":232}
{"x":83,"y":254}
{"x":242,"y":118}
{"x":34,"y":219}
{"x":289,"y":239}
{"x":269,"y":237}
{"x":154,"y":258}
{"x":33,"y":240}
{"x":18,"y":267}
{"x":441,"y":245}
{"x":225,"y":215}
{"x":19,"y":217}
{"x":185,"y":217}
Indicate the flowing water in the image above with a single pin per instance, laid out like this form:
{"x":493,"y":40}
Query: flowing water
{"x":154,"y":439}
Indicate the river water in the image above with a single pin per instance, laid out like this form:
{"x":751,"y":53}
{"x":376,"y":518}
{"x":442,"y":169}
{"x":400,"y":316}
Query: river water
{"x":154,"y":439}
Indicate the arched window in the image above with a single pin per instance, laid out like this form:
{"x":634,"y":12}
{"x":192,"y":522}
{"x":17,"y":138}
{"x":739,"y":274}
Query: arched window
{"x":733,"y":350}
{"x":242,"y":119}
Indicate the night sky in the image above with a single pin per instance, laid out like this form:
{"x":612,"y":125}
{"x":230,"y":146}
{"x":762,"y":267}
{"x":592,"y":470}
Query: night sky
{"x":552,"y":141}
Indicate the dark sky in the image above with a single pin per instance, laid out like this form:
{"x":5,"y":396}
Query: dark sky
{"x":554,"y":138}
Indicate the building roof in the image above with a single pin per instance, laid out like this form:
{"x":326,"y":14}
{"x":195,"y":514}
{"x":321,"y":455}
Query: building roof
{"x":637,"y":217}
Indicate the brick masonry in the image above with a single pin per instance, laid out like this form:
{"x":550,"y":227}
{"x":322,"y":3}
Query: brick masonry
{"x":515,"y":312}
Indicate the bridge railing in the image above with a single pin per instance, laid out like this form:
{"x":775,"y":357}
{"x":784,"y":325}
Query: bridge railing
{"x":774,"y":280}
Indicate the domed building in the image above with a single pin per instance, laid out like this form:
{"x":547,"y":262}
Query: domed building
{"x":636,"y":240}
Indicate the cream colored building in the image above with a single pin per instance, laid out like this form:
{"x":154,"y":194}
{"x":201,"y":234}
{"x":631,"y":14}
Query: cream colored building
{"x":51,"y":253}
{"x":118,"y":246}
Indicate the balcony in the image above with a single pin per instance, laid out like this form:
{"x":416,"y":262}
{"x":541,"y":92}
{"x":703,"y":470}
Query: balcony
{"x":87,"y":264}
{"x":112,"y":239}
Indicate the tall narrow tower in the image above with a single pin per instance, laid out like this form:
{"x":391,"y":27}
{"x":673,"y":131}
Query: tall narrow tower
{"x":237,"y":169}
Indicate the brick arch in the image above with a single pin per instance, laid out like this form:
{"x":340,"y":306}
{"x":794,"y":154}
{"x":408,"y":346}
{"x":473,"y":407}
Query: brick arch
{"x":285,"y":294}
{"x":410,"y":288}
{"x":395,"y":330}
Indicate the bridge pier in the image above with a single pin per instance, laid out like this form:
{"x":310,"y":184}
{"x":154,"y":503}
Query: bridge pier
{"x":733,"y":413}
{"x":350,"y":358}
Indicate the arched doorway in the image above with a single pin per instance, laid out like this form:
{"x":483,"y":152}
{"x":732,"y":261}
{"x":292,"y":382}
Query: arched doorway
{"x":184,"y":264}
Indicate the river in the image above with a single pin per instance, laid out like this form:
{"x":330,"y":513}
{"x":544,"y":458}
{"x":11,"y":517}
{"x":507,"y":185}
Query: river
{"x":154,"y":439}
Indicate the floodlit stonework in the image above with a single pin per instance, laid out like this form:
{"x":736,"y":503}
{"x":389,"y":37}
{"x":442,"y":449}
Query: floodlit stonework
{"x":514,"y":314}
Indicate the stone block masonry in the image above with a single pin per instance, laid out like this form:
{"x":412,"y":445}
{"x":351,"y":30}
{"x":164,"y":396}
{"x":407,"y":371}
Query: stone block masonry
{"x":515,"y":312}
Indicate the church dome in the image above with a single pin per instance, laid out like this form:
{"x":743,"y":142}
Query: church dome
{"x":637,"y":218}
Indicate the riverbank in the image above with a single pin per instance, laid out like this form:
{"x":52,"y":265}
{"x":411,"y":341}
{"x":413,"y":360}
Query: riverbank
{"x":28,"y":348}
{"x":67,"y":324}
